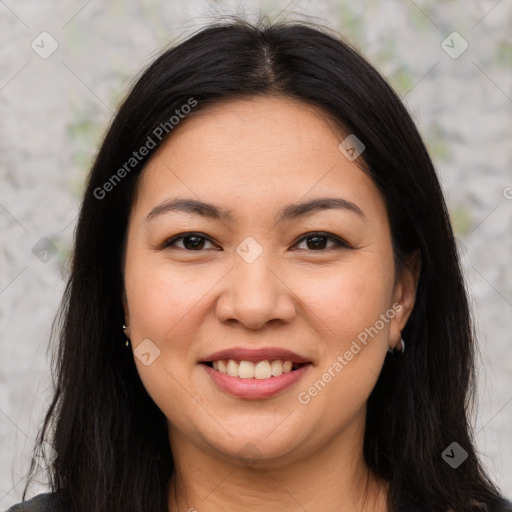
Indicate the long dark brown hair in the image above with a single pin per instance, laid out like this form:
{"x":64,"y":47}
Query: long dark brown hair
{"x":110,"y":437}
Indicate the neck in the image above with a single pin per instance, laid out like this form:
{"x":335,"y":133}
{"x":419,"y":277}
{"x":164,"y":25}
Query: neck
{"x":332,"y":478}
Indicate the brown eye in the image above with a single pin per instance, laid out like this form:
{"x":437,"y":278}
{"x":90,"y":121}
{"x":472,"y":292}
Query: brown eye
{"x":191,"y":242}
{"x":318,"y":241}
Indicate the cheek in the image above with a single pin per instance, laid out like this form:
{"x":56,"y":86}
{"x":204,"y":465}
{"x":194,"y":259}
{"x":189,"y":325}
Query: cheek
{"x":161,"y":296}
{"x":350,"y":304}
{"x":165,"y":308}
{"x":350,"y":298}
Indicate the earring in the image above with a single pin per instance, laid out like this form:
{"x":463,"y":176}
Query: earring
{"x":127,"y":339}
{"x":396,"y":352}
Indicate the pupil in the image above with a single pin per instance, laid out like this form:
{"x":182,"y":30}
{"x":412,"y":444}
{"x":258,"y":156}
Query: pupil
{"x":316,"y":244}
{"x":194,"y":245}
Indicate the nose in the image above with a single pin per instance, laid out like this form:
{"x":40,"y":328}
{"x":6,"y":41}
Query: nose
{"x":255,"y":294}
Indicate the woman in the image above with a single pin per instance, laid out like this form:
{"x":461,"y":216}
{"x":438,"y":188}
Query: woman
{"x":266,"y":309}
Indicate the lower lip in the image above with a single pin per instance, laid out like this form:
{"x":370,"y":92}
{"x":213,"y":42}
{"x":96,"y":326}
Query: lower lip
{"x":256,"y":388}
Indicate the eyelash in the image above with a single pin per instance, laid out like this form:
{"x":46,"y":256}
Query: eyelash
{"x":340,"y":243}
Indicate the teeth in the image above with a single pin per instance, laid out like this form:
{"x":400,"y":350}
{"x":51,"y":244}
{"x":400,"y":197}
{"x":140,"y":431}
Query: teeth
{"x":249,"y":370}
{"x":232,"y":370}
{"x":223,"y":366}
{"x":276,"y":368}
{"x":246,"y":370}
{"x":263,"y":370}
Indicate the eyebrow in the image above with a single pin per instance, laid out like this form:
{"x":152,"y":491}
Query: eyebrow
{"x":287,"y":213}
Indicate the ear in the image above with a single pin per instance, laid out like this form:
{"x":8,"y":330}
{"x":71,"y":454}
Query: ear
{"x":405,"y":294}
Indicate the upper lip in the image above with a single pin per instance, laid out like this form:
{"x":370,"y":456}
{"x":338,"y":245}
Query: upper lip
{"x":255,"y":355}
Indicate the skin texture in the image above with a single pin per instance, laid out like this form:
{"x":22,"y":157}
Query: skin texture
{"x":254,"y":156}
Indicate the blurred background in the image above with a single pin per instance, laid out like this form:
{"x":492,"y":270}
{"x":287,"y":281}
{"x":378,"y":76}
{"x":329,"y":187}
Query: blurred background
{"x":64,"y":68}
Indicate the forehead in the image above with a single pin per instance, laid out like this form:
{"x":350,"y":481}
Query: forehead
{"x":256,"y":151}
{"x":271,"y":127}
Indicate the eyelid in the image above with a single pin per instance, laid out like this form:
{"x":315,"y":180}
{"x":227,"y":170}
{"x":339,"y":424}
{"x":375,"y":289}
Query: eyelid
{"x":340,"y":242}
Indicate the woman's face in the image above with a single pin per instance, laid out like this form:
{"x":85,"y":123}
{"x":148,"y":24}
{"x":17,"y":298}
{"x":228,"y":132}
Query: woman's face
{"x":253,"y":281}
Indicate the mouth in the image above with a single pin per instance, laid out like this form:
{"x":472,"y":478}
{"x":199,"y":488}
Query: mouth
{"x":254,"y":380}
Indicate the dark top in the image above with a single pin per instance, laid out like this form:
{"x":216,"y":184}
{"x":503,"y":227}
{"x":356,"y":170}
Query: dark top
{"x":47,"y":503}
{"x":41,"y":503}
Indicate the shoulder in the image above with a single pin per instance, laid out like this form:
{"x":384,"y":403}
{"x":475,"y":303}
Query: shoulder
{"x":46,"y":502}
{"x":498,"y":505}
{"x":503,"y":506}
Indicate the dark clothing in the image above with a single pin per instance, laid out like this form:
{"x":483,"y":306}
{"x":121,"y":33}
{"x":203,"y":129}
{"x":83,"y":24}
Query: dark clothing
{"x":47,"y":503}
{"x":41,"y":503}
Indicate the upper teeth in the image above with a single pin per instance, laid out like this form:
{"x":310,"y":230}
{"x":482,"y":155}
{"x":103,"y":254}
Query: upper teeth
{"x":249,"y":370}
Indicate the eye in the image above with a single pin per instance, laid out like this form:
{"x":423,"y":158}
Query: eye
{"x":191,"y":241}
{"x":317,"y":241}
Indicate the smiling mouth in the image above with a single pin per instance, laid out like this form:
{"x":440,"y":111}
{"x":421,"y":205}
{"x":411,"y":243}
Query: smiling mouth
{"x":265,"y":369}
